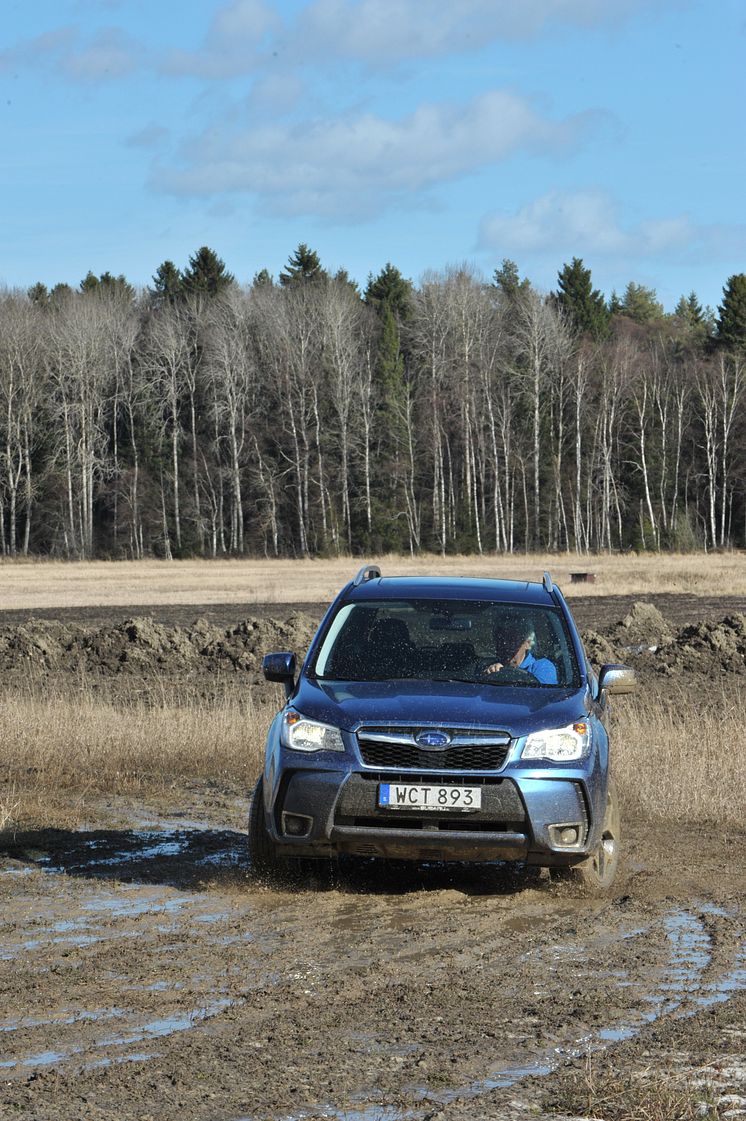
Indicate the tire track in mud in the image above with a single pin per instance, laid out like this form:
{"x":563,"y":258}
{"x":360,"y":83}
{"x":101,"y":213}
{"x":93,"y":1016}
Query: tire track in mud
{"x":127,"y":951}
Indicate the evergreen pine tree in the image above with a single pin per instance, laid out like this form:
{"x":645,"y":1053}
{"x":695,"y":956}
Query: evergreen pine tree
{"x":60,"y":293}
{"x":690,"y":314}
{"x":615,"y":304}
{"x":641,"y":304}
{"x":583,"y":303}
{"x":303,"y":265}
{"x":692,"y":309}
{"x":38,"y":294}
{"x":108,"y":285}
{"x":508,"y":281}
{"x":89,"y":283}
{"x":343,"y":277}
{"x":262,"y":279}
{"x":206,"y":273}
{"x":168,"y":285}
{"x":731,"y":323}
{"x":389,"y":290}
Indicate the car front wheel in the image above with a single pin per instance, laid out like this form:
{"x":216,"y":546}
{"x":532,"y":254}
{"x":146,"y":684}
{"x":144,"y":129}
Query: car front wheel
{"x":596,"y":873}
{"x":262,"y":852}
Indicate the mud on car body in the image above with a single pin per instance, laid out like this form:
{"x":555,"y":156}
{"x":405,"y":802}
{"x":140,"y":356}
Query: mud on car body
{"x":401,"y":739}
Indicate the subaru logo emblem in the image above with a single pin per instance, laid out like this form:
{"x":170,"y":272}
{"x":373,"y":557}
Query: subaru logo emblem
{"x":434,"y":740}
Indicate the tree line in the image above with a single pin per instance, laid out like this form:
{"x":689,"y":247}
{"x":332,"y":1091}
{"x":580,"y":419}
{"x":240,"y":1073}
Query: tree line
{"x":301,"y":416}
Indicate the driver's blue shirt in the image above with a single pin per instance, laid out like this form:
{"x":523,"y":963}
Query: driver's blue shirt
{"x":542,"y":669}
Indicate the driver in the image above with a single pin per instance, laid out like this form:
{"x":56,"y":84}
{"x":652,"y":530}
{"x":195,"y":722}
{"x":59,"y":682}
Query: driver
{"x":514,"y":641}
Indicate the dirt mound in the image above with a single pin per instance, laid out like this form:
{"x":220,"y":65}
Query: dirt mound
{"x":644,"y":640}
{"x":140,"y":647}
{"x":643,"y":625}
{"x":704,"y":649}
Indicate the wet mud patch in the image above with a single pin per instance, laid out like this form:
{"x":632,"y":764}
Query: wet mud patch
{"x":184,"y":858}
{"x":147,"y":972}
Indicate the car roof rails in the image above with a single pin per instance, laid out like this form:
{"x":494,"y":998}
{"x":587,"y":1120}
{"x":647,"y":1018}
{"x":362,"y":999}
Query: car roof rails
{"x":547,"y":582}
{"x":367,"y":572}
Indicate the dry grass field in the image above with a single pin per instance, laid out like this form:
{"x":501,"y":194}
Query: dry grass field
{"x":66,"y":744}
{"x":62,"y":752}
{"x":58,"y":584}
{"x":676,"y":756}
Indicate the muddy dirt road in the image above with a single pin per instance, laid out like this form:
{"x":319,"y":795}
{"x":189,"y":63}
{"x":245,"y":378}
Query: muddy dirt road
{"x":145,"y":973}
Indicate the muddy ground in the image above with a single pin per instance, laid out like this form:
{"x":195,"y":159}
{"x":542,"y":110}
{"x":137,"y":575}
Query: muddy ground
{"x":145,"y":973}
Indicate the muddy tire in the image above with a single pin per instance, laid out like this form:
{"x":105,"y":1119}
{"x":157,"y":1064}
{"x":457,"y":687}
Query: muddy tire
{"x":596,"y":873}
{"x":266,"y":864}
{"x":264,"y":860}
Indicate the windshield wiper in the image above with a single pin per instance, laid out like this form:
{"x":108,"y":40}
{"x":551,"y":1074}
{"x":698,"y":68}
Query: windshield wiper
{"x":489,"y":679}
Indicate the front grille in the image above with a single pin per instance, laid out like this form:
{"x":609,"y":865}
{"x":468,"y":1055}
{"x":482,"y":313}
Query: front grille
{"x":470,"y":749}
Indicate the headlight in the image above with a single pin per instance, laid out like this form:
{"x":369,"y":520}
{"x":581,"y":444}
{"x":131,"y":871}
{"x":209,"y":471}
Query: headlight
{"x":301,"y":734}
{"x":561,"y":745}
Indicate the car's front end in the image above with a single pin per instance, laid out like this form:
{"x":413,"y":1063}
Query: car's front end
{"x":517,"y":781}
{"x":393,"y":750}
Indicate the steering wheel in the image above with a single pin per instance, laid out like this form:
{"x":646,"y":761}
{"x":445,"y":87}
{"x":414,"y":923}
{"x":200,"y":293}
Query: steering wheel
{"x":508,"y":674}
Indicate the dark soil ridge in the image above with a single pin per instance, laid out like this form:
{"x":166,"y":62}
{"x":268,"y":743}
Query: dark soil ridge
{"x":140,"y":647}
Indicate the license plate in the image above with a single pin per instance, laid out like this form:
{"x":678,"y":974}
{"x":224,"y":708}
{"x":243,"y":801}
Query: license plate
{"x":406,"y":796}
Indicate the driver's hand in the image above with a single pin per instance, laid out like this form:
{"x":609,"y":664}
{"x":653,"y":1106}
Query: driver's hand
{"x":494,"y":668}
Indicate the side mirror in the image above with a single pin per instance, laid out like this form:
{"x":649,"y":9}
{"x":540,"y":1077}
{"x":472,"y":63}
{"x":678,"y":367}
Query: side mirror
{"x":280,"y":667}
{"x":617,"y":680}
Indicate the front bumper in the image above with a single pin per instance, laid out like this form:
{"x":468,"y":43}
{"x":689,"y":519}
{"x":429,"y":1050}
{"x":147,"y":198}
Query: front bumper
{"x":323,"y":812}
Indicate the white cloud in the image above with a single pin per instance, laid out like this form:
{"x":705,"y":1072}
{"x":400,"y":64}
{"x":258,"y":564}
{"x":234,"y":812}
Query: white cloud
{"x":380,"y":33}
{"x":276,"y":94}
{"x":587,"y":222}
{"x":359,"y":164}
{"x":52,"y":45}
{"x":109,"y":54}
{"x":384,"y":31}
{"x":151,"y":136}
{"x":232,"y":45}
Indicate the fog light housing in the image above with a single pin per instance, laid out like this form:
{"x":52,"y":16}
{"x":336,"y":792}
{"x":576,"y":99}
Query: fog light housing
{"x":567,"y":835}
{"x":296,"y":825}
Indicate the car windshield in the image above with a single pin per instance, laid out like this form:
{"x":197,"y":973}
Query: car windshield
{"x":457,"y":640}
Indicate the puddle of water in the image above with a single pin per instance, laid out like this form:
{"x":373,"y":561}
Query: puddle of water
{"x":79,"y":940}
{"x":64,"y":1018}
{"x":690,"y":953}
{"x":137,"y":1057}
{"x":169,"y":843}
{"x":168,"y":1025}
{"x":233,"y":858}
{"x":368,"y":1113}
{"x":125,"y":908}
{"x":156,"y":1029}
{"x":47,"y":1058}
{"x":158,"y":987}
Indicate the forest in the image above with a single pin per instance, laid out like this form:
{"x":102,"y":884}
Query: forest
{"x":301,"y":416}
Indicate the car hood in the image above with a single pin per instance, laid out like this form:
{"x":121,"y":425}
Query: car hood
{"x":516,"y":709}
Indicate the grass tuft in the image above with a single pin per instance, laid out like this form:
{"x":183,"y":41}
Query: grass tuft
{"x":677,"y":756}
{"x":646,"y":1095}
{"x":58,"y":748}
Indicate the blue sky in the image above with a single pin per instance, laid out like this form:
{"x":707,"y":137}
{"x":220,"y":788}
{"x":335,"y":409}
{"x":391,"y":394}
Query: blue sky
{"x":421,"y":132}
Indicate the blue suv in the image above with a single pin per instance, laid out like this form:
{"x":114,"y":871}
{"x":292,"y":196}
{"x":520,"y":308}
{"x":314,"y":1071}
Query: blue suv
{"x":442,"y":719}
